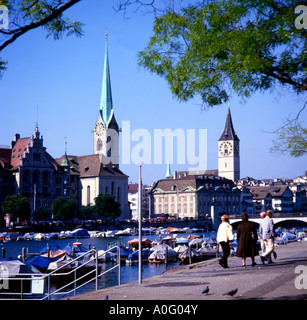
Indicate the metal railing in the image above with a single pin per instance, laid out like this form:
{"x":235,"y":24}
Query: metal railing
{"x":41,"y":280}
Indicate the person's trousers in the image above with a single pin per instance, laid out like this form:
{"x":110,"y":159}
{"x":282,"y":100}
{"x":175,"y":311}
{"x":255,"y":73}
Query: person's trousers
{"x":226,"y":252}
{"x":269,"y":247}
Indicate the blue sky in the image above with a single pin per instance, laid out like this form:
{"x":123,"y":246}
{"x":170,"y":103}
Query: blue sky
{"x":63,"y":78}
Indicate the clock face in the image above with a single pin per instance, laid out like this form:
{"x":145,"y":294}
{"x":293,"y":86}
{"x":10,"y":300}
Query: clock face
{"x":98,"y":129}
{"x":225,"y":148}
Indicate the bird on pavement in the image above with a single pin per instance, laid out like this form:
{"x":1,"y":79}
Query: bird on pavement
{"x":106,"y":298}
{"x":205,"y":290}
{"x":231,"y":293}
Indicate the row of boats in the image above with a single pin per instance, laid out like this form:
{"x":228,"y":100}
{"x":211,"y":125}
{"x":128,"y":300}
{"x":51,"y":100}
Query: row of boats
{"x":84,"y":233}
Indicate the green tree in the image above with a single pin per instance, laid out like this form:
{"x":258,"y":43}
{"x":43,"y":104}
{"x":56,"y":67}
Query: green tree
{"x":86,"y":212}
{"x":63,"y":209}
{"x":41,"y":214}
{"x":106,"y":206}
{"x":17,"y":206}
{"x":26,"y":15}
{"x":212,"y":49}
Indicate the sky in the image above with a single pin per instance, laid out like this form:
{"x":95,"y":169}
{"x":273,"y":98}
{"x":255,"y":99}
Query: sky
{"x":58,"y":85}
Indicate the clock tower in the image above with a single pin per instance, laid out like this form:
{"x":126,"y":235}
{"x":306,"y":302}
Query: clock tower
{"x":229,"y":153}
{"x":106,"y":130}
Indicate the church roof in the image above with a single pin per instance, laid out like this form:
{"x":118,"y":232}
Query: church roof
{"x":91,"y":166}
{"x":229,"y":132}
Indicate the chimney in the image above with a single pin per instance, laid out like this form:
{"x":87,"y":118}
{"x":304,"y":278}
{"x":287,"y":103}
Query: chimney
{"x":13,"y":142}
{"x":175,"y":175}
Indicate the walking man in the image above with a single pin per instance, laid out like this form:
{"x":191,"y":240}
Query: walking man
{"x":266,"y":231}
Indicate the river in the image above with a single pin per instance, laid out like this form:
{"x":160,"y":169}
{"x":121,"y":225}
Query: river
{"x":129,"y":272}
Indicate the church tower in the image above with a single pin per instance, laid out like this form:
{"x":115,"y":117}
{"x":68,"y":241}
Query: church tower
{"x":106,"y":130}
{"x":228,"y":149}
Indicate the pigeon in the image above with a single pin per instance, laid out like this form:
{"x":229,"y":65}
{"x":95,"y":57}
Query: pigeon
{"x":205,"y":290}
{"x":231,"y":293}
{"x":106,"y":298}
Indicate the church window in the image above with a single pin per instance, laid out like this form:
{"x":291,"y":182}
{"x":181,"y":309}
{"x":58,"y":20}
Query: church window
{"x":118,"y":193}
{"x":88,"y":195}
{"x":225,"y":164}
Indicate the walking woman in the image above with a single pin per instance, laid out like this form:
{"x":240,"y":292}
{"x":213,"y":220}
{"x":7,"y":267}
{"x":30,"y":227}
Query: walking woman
{"x":224,"y":235}
{"x":247,"y":238}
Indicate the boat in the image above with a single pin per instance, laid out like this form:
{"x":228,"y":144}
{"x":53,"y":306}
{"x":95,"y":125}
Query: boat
{"x":124,"y":253}
{"x":158,"y":254}
{"x":134,"y":256}
{"x":41,"y":263}
{"x":188,"y":254}
{"x":16,"y":269}
{"x":79,"y":233}
{"x":146,"y":243}
{"x":104,"y":256}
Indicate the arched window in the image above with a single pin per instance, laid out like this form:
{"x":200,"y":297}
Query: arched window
{"x":88,"y":195}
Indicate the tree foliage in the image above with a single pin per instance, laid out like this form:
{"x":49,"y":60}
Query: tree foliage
{"x":17,"y":206}
{"x":26,"y":15}
{"x":106,"y":206}
{"x":215,"y":48}
{"x":292,"y":137}
{"x":63,"y":209}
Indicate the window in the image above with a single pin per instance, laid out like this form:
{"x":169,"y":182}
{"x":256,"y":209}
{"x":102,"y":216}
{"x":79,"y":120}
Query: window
{"x":88,"y":200}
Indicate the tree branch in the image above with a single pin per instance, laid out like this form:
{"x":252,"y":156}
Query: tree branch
{"x":55,"y":13}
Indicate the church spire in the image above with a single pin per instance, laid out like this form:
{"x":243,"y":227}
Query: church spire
{"x":229,"y":132}
{"x":106,"y":103}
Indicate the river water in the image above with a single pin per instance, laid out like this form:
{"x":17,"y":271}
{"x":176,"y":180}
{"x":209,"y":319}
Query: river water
{"x":129,"y":273}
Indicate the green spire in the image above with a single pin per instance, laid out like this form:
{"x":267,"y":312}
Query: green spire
{"x":65,"y":161}
{"x":106,"y":104}
{"x":168,"y":171}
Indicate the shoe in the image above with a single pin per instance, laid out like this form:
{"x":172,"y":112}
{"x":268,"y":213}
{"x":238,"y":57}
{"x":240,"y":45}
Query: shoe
{"x":271,"y":262}
{"x":262,"y":259}
{"x":221,"y":264}
{"x":254,"y":264}
{"x":244,"y":266}
{"x":274,"y":254}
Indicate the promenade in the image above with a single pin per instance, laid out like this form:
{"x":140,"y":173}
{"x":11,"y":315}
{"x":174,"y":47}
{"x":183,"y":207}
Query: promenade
{"x":277,"y":281}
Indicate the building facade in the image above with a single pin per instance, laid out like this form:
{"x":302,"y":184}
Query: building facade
{"x":192,"y":196}
{"x":28,"y":169}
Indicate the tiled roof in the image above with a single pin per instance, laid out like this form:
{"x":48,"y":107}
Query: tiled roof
{"x":5,"y":157}
{"x":18,"y":151}
{"x":194,"y":182}
{"x":260,"y":192}
{"x":91,"y":166}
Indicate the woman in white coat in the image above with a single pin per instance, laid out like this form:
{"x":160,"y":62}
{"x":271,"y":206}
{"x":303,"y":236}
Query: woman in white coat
{"x":224,"y":235}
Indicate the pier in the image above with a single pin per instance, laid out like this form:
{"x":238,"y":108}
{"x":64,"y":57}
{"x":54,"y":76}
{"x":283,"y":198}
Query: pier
{"x":283,"y":280}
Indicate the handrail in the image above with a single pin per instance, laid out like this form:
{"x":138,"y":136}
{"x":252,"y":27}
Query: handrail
{"x":49,"y":294}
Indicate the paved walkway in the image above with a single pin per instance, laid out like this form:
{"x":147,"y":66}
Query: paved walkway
{"x":262,"y":282}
